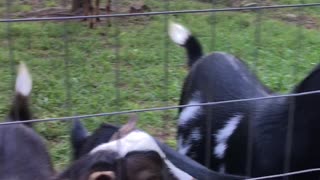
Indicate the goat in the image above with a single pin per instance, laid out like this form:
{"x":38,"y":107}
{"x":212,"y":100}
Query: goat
{"x":215,"y":77}
{"x":221,"y":77}
{"x":90,"y":9}
{"x":110,"y":164}
{"x":23,"y":153}
{"x":127,"y":153}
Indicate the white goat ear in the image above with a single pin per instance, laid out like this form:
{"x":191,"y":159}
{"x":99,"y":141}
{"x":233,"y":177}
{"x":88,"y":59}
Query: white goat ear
{"x":102,"y":175}
{"x":126,"y":129}
{"x":23,"y":81}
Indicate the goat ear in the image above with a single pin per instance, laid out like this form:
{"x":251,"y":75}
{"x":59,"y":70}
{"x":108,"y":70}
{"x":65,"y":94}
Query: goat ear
{"x":78,"y":135}
{"x":145,"y":165}
{"x":102,"y":175}
{"x":127,"y":128}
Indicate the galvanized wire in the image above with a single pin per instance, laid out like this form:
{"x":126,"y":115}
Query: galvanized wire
{"x":285,"y":174}
{"x":117,"y":71}
{"x":66,"y":59}
{"x":213,"y":26}
{"x":166,"y":64}
{"x":258,"y":10}
{"x":257,"y":43}
{"x":10,"y":43}
{"x":292,"y":105}
{"x":160,"y":13}
{"x":162,"y":108}
{"x":209,"y":117}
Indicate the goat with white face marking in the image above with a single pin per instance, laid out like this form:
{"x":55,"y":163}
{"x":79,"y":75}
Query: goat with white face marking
{"x":110,"y":153}
{"x":23,"y":153}
{"x":221,"y":77}
{"x":93,"y":164}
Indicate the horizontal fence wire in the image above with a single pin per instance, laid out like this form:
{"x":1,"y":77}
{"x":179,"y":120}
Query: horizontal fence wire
{"x":285,"y":174}
{"x":213,"y":10}
{"x":162,"y":108}
{"x":160,"y":13}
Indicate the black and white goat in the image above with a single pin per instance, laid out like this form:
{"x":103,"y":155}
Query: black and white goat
{"x":23,"y":153}
{"x":101,"y":156}
{"x":129,"y":154}
{"x":221,"y":77}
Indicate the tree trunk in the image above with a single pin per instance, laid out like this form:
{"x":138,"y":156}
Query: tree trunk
{"x":76,"y":4}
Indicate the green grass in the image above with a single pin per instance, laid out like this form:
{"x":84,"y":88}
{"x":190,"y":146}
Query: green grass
{"x":91,"y":57}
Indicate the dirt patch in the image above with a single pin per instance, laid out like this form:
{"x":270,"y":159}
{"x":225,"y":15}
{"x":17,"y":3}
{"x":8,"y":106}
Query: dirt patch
{"x":308,"y":22}
{"x":240,"y":3}
{"x":39,"y":11}
{"x":47,"y":12}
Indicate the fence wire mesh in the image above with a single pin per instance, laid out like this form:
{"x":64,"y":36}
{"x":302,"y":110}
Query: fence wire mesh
{"x":119,"y":75}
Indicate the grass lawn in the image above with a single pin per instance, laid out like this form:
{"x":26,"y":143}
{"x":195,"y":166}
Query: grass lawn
{"x":138,"y":52}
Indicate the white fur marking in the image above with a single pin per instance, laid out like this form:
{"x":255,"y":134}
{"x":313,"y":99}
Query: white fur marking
{"x":195,"y":134}
{"x":181,"y":146}
{"x":191,"y":112}
{"x":23,"y":81}
{"x":224,"y":134}
{"x":184,"y":148}
{"x":139,"y":141}
{"x":220,"y":149}
{"x":178,"y":33}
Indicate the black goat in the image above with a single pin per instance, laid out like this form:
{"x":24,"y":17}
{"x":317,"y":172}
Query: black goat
{"x":92,"y":163}
{"x":23,"y":153}
{"x":134,"y":156}
{"x":221,"y":77}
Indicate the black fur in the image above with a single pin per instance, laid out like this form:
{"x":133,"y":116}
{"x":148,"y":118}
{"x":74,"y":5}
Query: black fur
{"x":87,"y":164}
{"x":23,"y":153}
{"x":78,"y":137}
{"x":222,"y":77}
{"x":194,"y":50}
{"x":136,"y":165}
{"x":111,"y":159}
{"x":84,"y":144}
{"x":20,"y":109}
{"x":272,"y":126}
{"x":193,"y":168}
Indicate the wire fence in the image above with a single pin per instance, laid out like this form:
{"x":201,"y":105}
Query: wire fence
{"x":164,"y":13}
{"x":118,"y":77}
